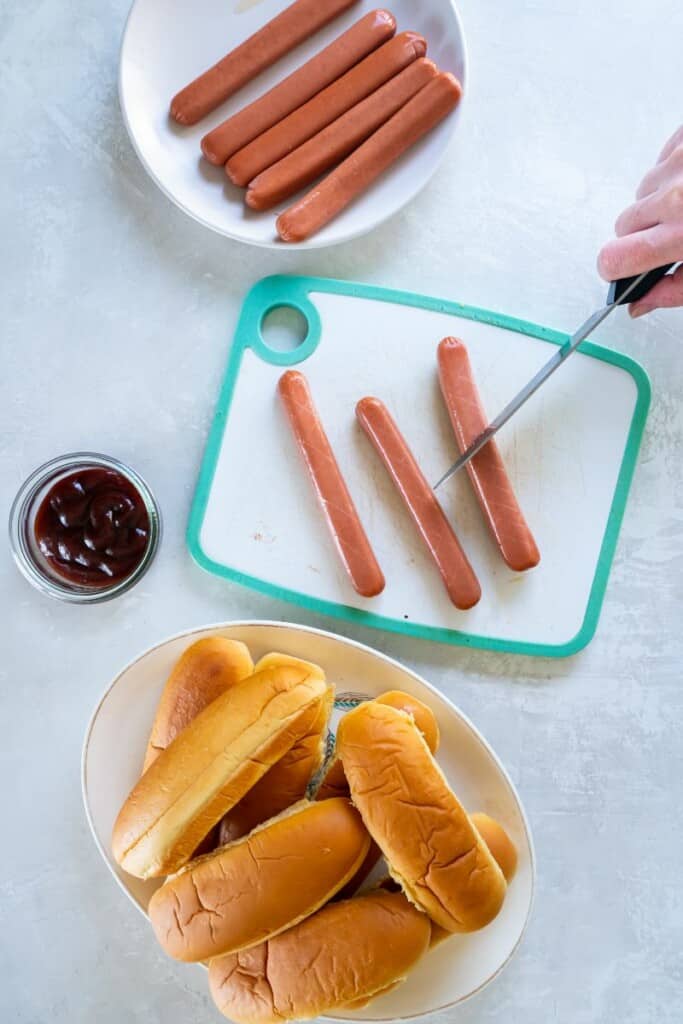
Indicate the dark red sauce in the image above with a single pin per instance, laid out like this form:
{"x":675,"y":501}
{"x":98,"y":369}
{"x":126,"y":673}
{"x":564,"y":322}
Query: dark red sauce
{"x":92,"y":527}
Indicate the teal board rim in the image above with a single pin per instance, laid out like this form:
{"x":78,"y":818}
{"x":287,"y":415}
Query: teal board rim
{"x":294,"y":291}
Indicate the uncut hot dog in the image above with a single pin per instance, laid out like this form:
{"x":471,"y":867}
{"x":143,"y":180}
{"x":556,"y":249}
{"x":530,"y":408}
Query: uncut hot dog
{"x":337,"y":140}
{"x":326,"y":67}
{"x":329,"y":104}
{"x":336,"y":502}
{"x":486,"y":470}
{"x":429,"y":518}
{"x":292,"y":26}
{"x":334,"y":193}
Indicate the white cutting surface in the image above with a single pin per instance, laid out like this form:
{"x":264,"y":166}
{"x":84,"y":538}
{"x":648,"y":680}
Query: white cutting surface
{"x":117,"y":312}
{"x":563,"y":453}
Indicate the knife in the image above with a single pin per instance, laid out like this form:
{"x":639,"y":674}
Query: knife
{"x":628,"y":289}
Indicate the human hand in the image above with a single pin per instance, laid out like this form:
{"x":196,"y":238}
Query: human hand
{"x":650,"y":232}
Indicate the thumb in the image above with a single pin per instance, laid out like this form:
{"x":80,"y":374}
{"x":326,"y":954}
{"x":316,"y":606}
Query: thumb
{"x":666,"y":293}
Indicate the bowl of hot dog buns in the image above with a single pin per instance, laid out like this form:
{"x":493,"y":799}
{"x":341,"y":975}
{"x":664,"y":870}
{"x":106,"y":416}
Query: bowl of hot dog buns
{"x":291,"y":122}
{"x":307,"y":842}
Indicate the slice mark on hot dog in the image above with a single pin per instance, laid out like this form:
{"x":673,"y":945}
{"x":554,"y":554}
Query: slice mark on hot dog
{"x":273,"y":40}
{"x":326,"y":67}
{"x":337,"y":140}
{"x":333,"y":495}
{"x":352,"y":177}
{"x":486,"y":470}
{"x":318,"y":112}
{"x":458,"y":576}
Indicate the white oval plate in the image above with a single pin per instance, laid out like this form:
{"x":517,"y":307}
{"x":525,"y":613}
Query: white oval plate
{"x":117,"y":735}
{"x":167,"y":43}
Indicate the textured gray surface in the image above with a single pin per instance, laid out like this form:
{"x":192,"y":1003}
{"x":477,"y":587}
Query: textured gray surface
{"x":117,"y":310}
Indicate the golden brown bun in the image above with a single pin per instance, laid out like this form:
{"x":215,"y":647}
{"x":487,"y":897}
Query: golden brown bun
{"x":439,"y":934}
{"x":498,"y":842}
{"x":203,"y":672}
{"x":210,"y":765}
{"x":360,"y":1004}
{"x":424,"y":717}
{"x":286,"y":782}
{"x":257,"y":886}
{"x":334,"y":782}
{"x":346,"y":952}
{"x":371,"y":858}
{"x":502,"y":848}
{"x":430,"y":845}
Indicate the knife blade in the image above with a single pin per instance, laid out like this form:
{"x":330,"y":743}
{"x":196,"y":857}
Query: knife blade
{"x":629,"y":289}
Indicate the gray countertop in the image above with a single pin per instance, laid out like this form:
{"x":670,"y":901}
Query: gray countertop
{"x":117,"y":313}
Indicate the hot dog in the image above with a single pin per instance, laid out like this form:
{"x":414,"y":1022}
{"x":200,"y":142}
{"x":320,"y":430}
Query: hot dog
{"x":457,"y":573}
{"x":329,"y":104}
{"x":351,"y":178}
{"x":326,"y":67}
{"x":337,"y":140}
{"x":486,"y":470}
{"x":336,"y":502}
{"x":296,"y":23}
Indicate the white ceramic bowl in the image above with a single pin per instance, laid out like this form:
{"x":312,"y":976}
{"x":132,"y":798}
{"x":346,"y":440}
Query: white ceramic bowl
{"x":167,"y":43}
{"x":115,"y":743}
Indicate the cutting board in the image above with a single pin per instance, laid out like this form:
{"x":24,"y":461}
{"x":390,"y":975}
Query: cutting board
{"x":570,"y":452}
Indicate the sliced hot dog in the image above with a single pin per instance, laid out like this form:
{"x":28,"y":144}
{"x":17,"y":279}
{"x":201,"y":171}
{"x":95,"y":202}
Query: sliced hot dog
{"x":486,"y":470}
{"x":337,"y":140}
{"x":328,"y":105}
{"x":370,"y":160}
{"x":296,"y":23}
{"x":457,"y":573}
{"x":326,"y":67}
{"x":336,"y":502}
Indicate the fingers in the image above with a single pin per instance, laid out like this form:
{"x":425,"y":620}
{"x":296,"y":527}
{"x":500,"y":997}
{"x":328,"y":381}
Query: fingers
{"x":644,"y":250}
{"x":664,"y":295}
{"x":663,"y":172}
{"x":675,"y":140}
{"x":663,"y":206}
{"x":646,"y":213}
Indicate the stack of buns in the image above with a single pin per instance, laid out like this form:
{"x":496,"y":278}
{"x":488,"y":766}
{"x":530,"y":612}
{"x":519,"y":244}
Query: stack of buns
{"x":264,"y":850}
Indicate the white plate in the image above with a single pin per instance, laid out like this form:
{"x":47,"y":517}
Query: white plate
{"x":117,"y":735}
{"x":167,"y":43}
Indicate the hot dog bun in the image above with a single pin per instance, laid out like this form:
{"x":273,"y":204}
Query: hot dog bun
{"x":203,"y":672}
{"x":502,"y":848}
{"x":256,"y":887}
{"x":498,"y":842}
{"x":286,"y":782}
{"x":360,"y":947}
{"x":211,"y":764}
{"x":334,"y":781}
{"x":430,"y":845}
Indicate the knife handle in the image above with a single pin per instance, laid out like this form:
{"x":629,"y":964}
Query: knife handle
{"x":617,"y":288}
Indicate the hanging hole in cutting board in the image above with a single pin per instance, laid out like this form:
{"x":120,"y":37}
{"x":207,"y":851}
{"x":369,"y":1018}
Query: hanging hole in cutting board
{"x":284,"y":329}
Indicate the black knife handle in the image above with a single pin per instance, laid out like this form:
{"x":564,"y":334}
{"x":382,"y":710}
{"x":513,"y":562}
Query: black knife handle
{"x":617,"y":288}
